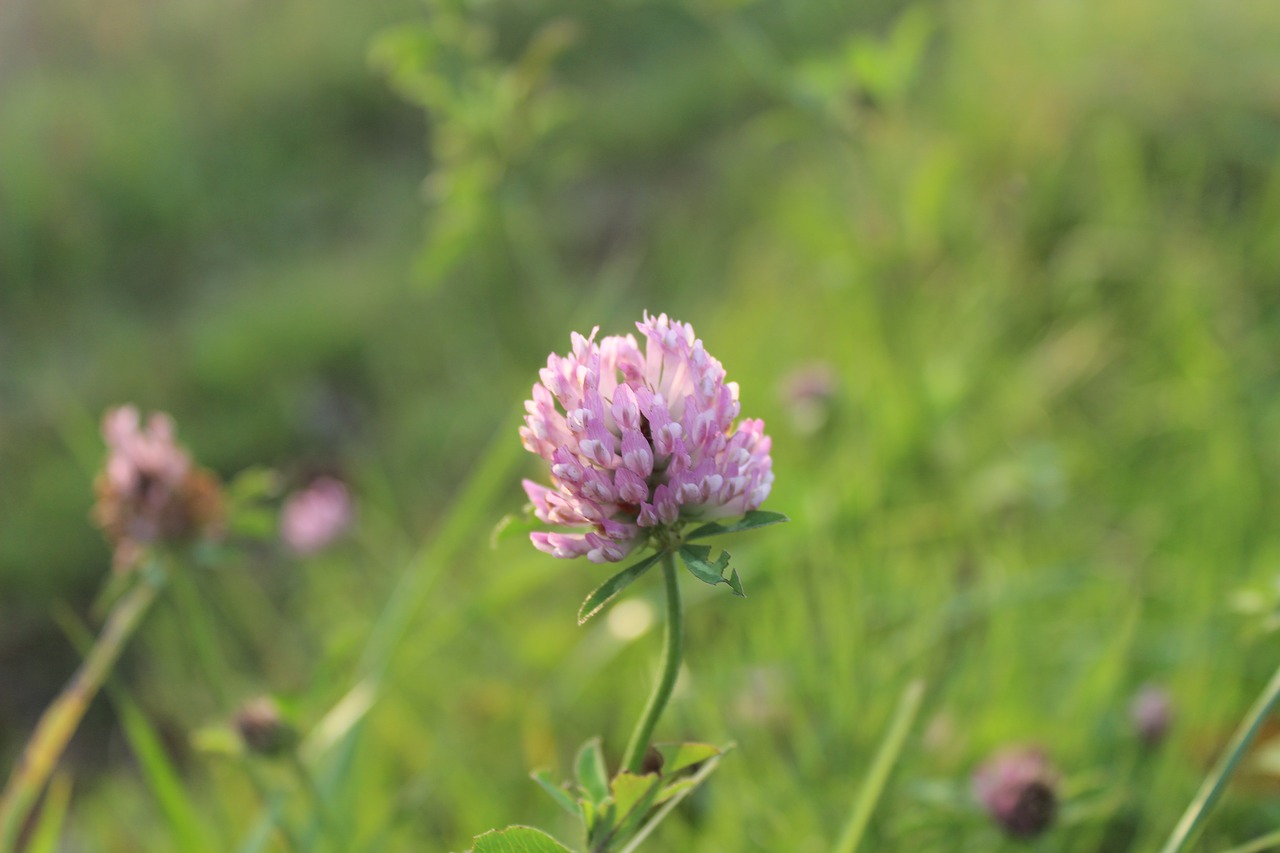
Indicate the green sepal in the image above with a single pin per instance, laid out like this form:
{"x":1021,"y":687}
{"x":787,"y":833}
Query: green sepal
{"x":750,"y":521}
{"x":517,"y":839}
{"x":558,"y":793}
{"x":593,"y":777}
{"x":697,"y":559}
{"x":512,"y":523}
{"x":600,"y":597}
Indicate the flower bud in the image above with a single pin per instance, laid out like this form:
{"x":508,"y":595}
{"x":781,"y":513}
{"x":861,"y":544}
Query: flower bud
{"x":262,"y":729}
{"x":1151,"y":712}
{"x":1018,"y":788}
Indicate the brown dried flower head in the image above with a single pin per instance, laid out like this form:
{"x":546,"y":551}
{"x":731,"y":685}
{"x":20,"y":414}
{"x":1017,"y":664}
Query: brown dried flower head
{"x":149,"y":490}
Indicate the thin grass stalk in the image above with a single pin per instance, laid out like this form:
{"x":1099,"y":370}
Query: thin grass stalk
{"x":60,"y":720}
{"x":886,"y":758}
{"x":1216,"y":782}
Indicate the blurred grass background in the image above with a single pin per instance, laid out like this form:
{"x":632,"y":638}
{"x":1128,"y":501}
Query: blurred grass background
{"x":1035,"y":243}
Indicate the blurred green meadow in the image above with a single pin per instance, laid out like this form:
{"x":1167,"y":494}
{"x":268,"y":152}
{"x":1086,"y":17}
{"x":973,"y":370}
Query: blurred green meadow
{"x":1030,"y":249}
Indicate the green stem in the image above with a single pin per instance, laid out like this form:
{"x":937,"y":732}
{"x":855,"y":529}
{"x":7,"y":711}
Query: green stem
{"x":193,"y":614}
{"x":1216,"y":782}
{"x":322,"y":815}
{"x":673,"y":641}
{"x":60,"y":720}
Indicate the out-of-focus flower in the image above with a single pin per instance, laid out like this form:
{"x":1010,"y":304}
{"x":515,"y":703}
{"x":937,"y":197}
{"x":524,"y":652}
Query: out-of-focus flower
{"x":639,"y":442}
{"x":808,"y":392}
{"x":149,"y":490}
{"x":315,"y":516}
{"x":1151,"y":713}
{"x":1019,"y":789}
{"x":761,"y":698}
{"x":262,"y":728}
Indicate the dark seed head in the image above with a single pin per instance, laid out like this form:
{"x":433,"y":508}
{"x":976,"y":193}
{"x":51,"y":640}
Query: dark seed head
{"x":1018,"y":788}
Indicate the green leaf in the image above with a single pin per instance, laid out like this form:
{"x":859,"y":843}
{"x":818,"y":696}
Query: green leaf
{"x":683,"y":784}
{"x":750,"y":521}
{"x":253,"y":484}
{"x":593,"y":777}
{"x":630,"y":789}
{"x":558,"y":793}
{"x":697,"y":559}
{"x":589,"y":816}
{"x":597,"y":600}
{"x":670,"y":798}
{"x":517,"y":839}
{"x":681,"y":756}
{"x":634,"y":796}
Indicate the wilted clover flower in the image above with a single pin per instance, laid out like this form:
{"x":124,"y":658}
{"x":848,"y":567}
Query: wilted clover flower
{"x":313,"y":517}
{"x":149,"y":490}
{"x":639,"y":442}
{"x":1019,"y":789}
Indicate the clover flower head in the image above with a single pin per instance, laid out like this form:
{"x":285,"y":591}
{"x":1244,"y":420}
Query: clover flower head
{"x":1018,"y":787}
{"x":149,"y":490}
{"x":313,"y":517}
{"x":639,"y":442}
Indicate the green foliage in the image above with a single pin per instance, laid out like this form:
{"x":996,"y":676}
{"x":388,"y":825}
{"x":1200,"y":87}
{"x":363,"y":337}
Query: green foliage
{"x":697,"y":559}
{"x":517,"y":839}
{"x":1033,"y":243}
{"x":750,"y":521}
{"x":618,"y":813}
{"x":602,"y":594}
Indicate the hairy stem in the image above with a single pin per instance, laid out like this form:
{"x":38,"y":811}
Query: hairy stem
{"x":673,"y":642}
{"x":60,"y":720}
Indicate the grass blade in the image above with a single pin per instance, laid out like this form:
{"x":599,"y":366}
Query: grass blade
{"x":890,"y":749}
{"x":188,"y":830}
{"x":53,"y":814}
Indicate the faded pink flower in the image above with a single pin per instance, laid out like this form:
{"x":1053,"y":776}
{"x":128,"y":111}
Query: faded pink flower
{"x":639,"y":442}
{"x":315,"y":516}
{"x":1019,"y":789}
{"x":808,"y":393}
{"x":149,"y":490}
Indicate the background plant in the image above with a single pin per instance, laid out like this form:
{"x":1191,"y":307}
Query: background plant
{"x":1035,"y":244}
